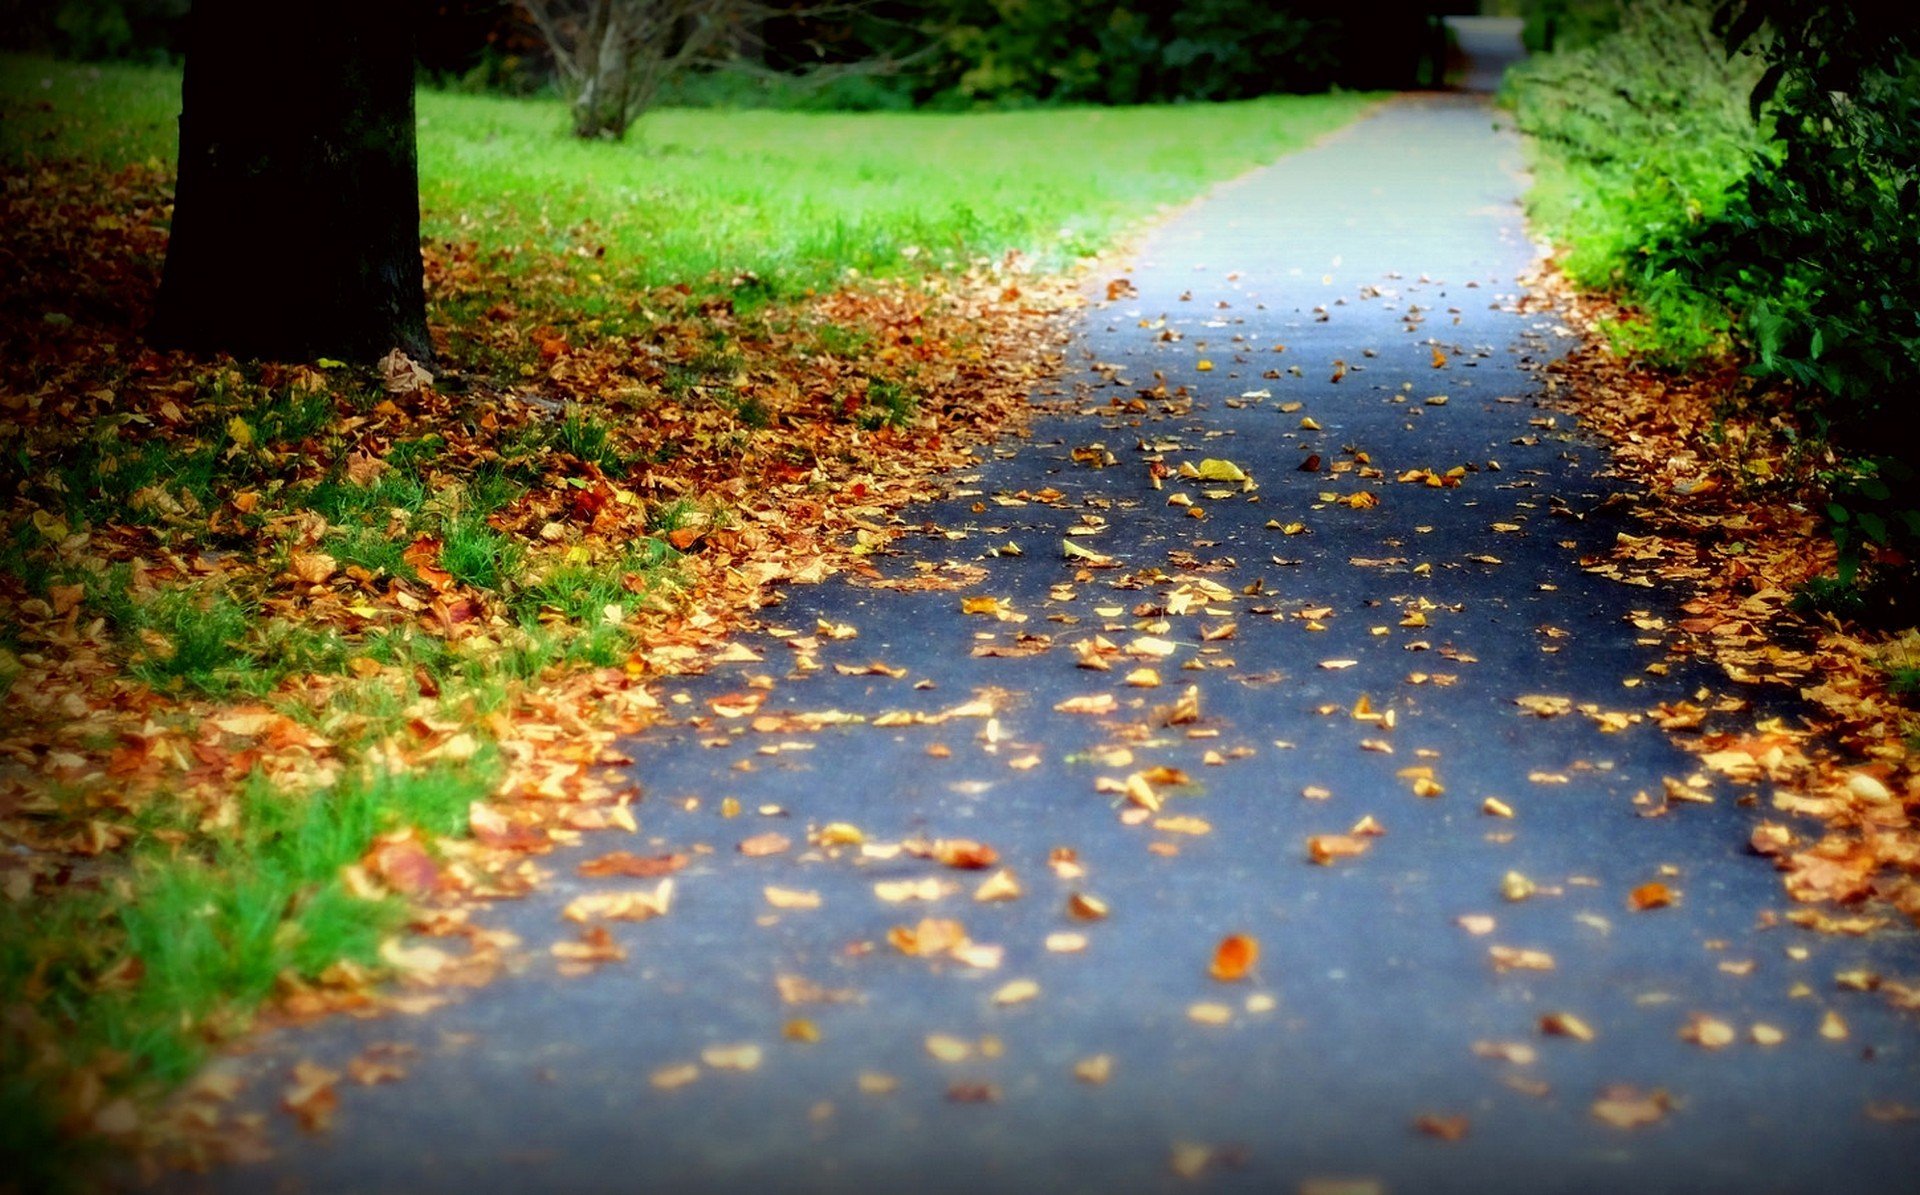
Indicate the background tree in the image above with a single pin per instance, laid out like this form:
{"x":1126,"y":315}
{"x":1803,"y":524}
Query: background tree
{"x":613,"y":55}
{"x":296,"y":224}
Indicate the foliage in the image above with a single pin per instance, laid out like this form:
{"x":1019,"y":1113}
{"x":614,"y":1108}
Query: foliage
{"x":126,"y":30}
{"x":1748,"y":181}
{"x":1635,"y":138}
{"x":1020,"y":52}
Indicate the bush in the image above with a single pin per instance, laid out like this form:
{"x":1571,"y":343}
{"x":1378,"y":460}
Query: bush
{"x":1747,"y":178}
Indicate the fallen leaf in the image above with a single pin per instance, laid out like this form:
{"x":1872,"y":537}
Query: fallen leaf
{"x":1325,"y":848}
{"x":790,"y":898}
{"x":1234,"y":957}
{"x":1001,"y":885}
{"x":1017,"y":991}
{"x":678,"y":1074}
{"x":1709,"y":1033}
{"x":1627,"y":1107}
{"x":1650,"y":895}
{"x":629,"y":865}
{"x":1442,"y":1126}
{"x":1565,"y":1024}
{"x":1087,"y":907}
{"x":1207,"y":1012}
{"x":743,"y":1057}
{"x":311,"y":1096}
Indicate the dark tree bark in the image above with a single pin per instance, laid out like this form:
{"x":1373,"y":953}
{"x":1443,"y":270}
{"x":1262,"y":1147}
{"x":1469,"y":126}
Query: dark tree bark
{"x":296,"y":224}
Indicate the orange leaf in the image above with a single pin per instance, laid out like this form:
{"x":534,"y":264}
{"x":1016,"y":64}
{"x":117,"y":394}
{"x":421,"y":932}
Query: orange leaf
{"x":1234,"y":957}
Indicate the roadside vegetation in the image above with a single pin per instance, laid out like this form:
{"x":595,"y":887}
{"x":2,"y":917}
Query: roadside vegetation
{"x":299,"y":657}
{"x":1747,"y":193}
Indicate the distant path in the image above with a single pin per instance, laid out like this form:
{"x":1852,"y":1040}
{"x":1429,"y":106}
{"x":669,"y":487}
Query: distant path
{"x":1393,"y":241}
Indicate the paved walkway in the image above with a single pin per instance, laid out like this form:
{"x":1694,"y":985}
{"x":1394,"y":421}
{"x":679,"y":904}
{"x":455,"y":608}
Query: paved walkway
{"x":1385,"y":257}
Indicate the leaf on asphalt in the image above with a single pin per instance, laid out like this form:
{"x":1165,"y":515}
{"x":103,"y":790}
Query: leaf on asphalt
{"x":1066,"y":942}
{"x":1098,"y":703}
{"x":1325,"y":848}
{"x":945,"y":1047}
{"x":311,"y":1096}
{"x":1565,"y":1024}
{"x":790,"y":898}
{"x":1544,"y":706}
{"x":631,"y":866}
{"x":876,"y":1083}
{"x":1509,"y":958}
{"x":1017,"y":991}
{"x":1001,"y":885}
{"x":932,"y":936}
{"x":674,"y":1075}
{"x":1518,"y":1053}
{"x":1087,"y":907}
{"x":1627,"y":1107}
{"x":768,"y":843}
{"x":1443,"y":1126}
{"x":900,"y":891}
{"x":1709,"y":1033}
{"x":797,"y":989}
{"x":634,"y":905}
{"x":1208,"y":1012}
{"x":1234,"y":957}
{"x":736,"y":705}
{"x":1650,"y":895}
{"x":743,"y":1057}
{"x":594,"y":946}
{"x":962,"y":854}
{"x":1094,"y":1070}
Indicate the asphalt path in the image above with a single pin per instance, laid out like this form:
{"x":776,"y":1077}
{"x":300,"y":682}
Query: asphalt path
{"x":1385,"y":261}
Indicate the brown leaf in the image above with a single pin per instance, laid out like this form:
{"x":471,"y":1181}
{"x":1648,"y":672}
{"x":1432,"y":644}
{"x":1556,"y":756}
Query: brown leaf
{"x":1446,"y":1127}
{"x":1650,"y":895}
{"x":632,"y":866}
{"x":311,"y":1096}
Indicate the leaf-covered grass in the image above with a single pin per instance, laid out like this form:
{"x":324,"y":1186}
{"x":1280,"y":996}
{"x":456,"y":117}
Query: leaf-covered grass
{"x":794,"y":198}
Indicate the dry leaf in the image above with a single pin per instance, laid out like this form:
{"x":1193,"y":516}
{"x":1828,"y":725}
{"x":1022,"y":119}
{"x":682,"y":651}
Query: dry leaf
{"x":1626,"y":1107}
{"x":790,"y":898}
{"x":1234,"y":957}
{"x":768,"y":843}
{"x":1565,"y":1024}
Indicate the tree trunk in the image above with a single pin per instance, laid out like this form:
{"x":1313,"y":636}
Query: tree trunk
{"x":296,"y":223}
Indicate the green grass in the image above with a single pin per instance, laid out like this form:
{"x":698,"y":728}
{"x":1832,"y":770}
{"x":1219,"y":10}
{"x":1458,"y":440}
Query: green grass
{"x":797,"y":199}
{"x":213,"y":932}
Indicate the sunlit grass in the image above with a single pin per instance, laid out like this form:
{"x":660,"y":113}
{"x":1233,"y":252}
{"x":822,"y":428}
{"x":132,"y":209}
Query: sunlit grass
{"x":795,"y":198}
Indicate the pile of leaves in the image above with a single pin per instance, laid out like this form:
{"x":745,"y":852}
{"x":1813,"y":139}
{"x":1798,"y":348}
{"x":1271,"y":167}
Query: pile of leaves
{"x":1728,"y":486}
{"x":295,"y":655}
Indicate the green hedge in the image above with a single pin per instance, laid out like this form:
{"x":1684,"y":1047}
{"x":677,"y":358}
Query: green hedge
{"x":1762,"y":202}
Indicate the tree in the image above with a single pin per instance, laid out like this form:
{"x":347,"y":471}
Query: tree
{"x":613,"y":55}
{"x":296,"y":224}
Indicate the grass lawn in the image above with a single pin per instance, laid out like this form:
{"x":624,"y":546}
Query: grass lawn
{"x":796,"y":198}
{"x":287,"y":653}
